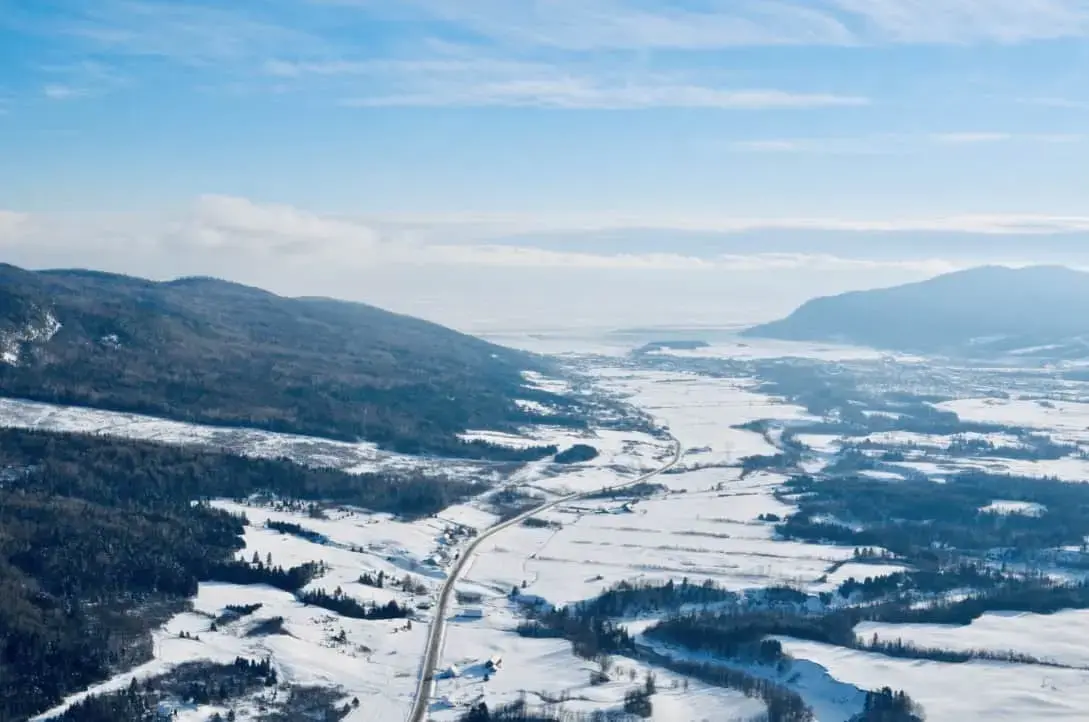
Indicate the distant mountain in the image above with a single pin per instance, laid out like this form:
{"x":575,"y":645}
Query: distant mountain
{"x":1035,"y":311}
{"x":206,"y":350}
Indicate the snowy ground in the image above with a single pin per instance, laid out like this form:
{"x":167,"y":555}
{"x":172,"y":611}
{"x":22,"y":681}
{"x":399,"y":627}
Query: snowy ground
{"x":704,"y":525}
{"x":1069,"y":420}
{"x":703,"y":412}
{"x":375,"y":661}
{"x":544,"y":670}
{"x":355,"y":458}
{"x":959,"y":692}
{"x":1000,"y":506}
{"x":1058,"y":637}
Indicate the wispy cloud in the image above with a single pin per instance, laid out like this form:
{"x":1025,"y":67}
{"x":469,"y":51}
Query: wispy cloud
{"x":862,"y":145}
{"x":586,"y":93}
{"x":60,"y":91}
{"x":893,"y":143}
{"x":229,"y":223}
{"x":186,"y":32}
{"x":480,"y":81}
{"x":83,"y":79}
{"x":1064,"y":103}
{"x":219,"y":229}
{"x":974,"y":138}
{"x":625,"y":24}
{"x":966,"y":21}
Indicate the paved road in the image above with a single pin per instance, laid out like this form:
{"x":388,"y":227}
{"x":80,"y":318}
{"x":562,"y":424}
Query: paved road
{"x":438,"y":626}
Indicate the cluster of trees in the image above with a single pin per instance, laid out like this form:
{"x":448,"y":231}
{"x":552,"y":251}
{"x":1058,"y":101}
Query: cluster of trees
{"x":348,"y":606}
{"x":509,"y":502}
{"x":885,"y":705}
{"x":534,"y":522}
{"x":197,"y":683}
{"x":626,"y":599}
{"x":379,"y":580}
{"x":1033,"y":594}
{"x":258,"y":572}
{"x":577,"y":454}
{"x":289,"y":527}
{"x":642,"y":490}
{"x":902,"y":584}
{"x":767,"y":462}
{"x":912,"y":516}
{"x":480,"y":449}
{"x":637,"y":701}
{"x":742,"y":635}
{"x":590,"y":637}
{"x":906,"y":650}
{"x":234,"y":612}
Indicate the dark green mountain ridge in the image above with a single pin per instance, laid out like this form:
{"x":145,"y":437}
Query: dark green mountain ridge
{"x":210,"y":351}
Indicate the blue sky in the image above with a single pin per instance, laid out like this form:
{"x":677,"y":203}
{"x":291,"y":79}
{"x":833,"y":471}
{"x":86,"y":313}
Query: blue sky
{"x":413,"y":132}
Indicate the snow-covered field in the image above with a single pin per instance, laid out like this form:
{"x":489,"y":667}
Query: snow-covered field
{"x":357,"y":458}
{"x":701,"y":535}
{"x":1070,"y":420}
{"x":1058,"y":637}
{"x":1000,"y":506}
{"x":959,"y":692}
{"x":703,"y":412}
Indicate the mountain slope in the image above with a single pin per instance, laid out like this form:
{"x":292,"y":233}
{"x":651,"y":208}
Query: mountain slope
{"x":983,"y":310}
{"x":215,"y":352}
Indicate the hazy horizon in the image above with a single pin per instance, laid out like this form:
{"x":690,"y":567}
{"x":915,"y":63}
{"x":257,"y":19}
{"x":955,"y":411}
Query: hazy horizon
{"x":696,"y":285}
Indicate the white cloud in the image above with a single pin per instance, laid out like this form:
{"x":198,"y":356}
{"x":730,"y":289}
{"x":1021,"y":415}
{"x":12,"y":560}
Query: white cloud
{"x":191,"y":33}
{"x":1064,"y":103}
{"x":480,"y":271}
{"x":629,"y":24}
{"x":238,"y":224}
{"x":574,"y":92}
{"x":892,"y":143}
{"x":968,"y":21}
{"x":216,"y":226}
{"x":482,"y":81}
{"x":61,"y":91}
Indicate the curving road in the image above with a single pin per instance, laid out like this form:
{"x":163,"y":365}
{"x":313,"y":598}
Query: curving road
{"x":438,"y":626}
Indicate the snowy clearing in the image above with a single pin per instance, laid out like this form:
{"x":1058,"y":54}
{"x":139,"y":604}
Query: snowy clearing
{"x":958,"y":692}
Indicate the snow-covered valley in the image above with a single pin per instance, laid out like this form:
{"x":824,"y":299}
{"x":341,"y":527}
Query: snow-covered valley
{"x":713,"y":519}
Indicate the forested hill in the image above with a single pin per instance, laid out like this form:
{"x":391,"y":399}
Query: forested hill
{"x":988,"y":311}
{"x":215,"y":352}
{"x":101,"y":541}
